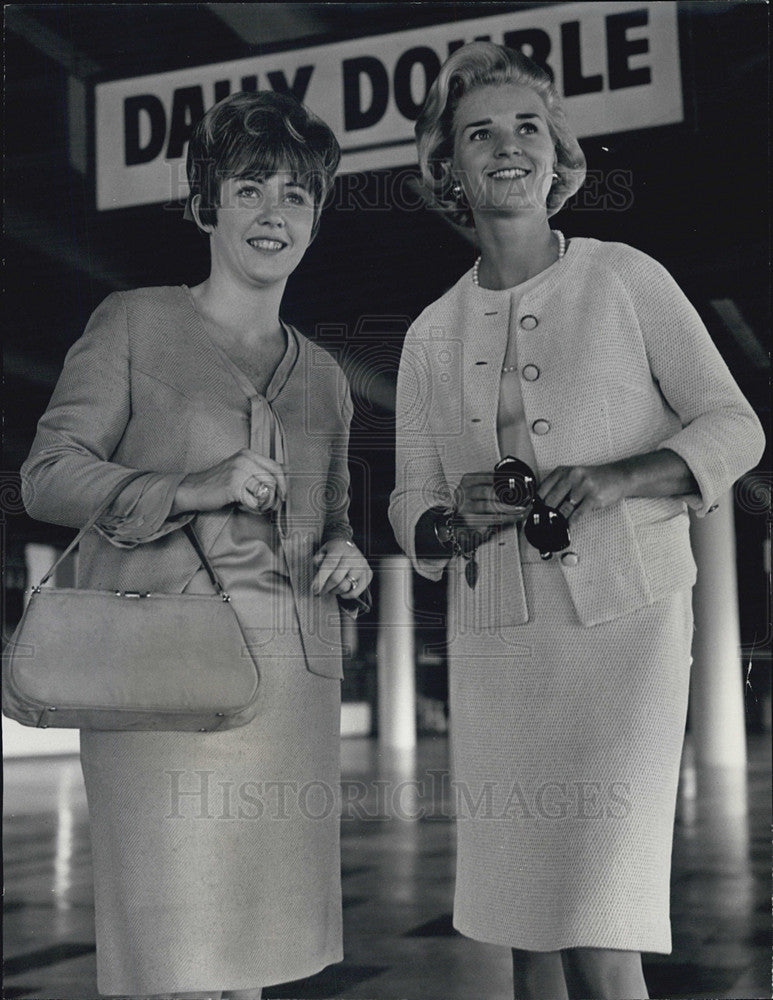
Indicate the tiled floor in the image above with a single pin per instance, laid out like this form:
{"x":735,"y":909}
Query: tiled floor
{"x":398,"y":853}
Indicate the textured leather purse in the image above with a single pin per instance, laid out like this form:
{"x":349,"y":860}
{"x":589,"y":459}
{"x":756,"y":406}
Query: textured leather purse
{"x":129,"y":660}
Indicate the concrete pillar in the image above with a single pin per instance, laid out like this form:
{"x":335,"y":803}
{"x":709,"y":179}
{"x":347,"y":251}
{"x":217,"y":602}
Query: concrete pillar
{"x":396,"y":656}
{"x":717,"y":721}
{"x":38,"y":560}
{"x":349,"y":635}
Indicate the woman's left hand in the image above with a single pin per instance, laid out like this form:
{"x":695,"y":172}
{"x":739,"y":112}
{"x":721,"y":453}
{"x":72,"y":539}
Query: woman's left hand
{"x":579,"y":489}
{"x":341,"y":569}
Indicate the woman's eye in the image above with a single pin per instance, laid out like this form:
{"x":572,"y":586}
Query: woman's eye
{"x":295,"y":198}
{"x":250,"y":191}
{"x":529,"y":126}
{"x":479,"y":135}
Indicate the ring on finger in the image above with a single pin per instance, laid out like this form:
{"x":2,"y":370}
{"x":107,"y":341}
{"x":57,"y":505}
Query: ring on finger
{"x":352,"y":582}
{"x":262,"y":493}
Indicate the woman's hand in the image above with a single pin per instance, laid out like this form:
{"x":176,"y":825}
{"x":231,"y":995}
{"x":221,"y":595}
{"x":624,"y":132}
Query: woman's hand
{"x":341,"y":569}
{"x":255,"y":482}
{"x":580,"y":489}
{"x":477,"y":504}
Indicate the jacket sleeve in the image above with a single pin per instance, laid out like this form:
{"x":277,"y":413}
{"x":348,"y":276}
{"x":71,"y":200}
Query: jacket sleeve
{"x":337,"y":486}
{"x":69,"y":471}
{"x":420,"y":482}
{"x":337,"y":497}
{"x":721,"y":437}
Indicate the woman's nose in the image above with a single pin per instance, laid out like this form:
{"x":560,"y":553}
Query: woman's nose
{"x":270,"y":215}
{"x":507,"y":145}
{"x":272,"y":218}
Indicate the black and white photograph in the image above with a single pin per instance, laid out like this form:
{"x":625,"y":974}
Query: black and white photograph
{"x":386,"y":501}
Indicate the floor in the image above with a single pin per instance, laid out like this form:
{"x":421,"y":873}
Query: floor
{"x":398,"y":854}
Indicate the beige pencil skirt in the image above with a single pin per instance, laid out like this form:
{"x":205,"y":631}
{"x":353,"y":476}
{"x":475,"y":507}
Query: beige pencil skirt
{"x":566,"y":744}
{"x":216,"y":855}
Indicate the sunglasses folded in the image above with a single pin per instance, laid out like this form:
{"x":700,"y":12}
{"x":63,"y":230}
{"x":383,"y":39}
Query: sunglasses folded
{"x":544,"y":527}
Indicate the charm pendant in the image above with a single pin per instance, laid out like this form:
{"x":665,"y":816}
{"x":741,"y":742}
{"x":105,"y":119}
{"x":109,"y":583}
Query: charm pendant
{"x":471,"y":572}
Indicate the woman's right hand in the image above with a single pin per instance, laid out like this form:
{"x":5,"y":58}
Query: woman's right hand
{"x":477,"y":504}
{"x":245,"y":478}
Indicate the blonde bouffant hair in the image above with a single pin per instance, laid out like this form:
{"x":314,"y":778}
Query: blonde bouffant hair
{"x":482,"y":64}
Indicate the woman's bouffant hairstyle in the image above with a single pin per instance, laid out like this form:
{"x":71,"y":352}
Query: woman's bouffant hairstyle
{"x":482,"y":64}
{"x":254,"y":134}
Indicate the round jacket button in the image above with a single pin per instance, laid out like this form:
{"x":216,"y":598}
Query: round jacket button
{"x":570,"y":558}
{"x":530,"y":373}
{"x":529,"y":322}
{"x":540,"y":426}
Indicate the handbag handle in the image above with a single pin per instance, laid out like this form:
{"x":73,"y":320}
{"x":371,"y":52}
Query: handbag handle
{"x":190,"y":534}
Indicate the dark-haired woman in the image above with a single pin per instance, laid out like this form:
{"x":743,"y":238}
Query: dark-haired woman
{"x":569,"y":656}
{"x":216,"y":856}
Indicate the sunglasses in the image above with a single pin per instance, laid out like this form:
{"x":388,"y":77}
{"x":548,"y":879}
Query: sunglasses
{"x":544,"y":527}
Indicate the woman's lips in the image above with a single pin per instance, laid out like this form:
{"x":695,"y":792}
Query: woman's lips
{"x":509,"y":173}
{"x":264,"y":243}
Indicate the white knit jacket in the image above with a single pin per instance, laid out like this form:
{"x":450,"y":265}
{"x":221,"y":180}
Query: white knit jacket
{"x":626,"y":366}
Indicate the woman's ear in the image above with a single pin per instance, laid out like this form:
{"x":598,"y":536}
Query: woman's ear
{"x":450,"y":180}
{"x":195,"y":207}
{"x":447,"y":172}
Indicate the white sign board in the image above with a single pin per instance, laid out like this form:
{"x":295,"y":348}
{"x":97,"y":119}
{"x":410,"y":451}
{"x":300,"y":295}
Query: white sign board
{"x":616,"y":64}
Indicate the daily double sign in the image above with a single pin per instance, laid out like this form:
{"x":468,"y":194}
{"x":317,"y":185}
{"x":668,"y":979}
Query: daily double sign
{"x":616,"y":64}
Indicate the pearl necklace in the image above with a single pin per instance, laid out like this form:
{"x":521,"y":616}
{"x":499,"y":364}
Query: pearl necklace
{"x":561,"y":251}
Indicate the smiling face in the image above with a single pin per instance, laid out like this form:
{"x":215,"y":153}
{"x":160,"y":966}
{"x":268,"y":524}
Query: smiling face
{"x":264,"y":226}
{"x":503,"y":153}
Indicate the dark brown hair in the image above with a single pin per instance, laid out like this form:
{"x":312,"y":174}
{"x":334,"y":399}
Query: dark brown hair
{"x":258,"y":134}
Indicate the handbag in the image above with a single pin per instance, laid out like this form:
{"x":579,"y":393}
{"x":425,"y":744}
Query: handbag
{"x":129,"y":660}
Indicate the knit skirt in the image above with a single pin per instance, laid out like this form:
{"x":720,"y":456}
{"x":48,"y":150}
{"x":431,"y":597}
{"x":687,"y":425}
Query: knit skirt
{"x":566,"y":755}
{"x":216,"y":855}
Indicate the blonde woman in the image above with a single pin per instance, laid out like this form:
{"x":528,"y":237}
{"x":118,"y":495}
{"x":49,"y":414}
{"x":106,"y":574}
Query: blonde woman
{"x":583,"y":366}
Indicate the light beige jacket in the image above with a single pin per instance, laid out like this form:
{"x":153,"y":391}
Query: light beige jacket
{"x":145,"y":388}
{"x":625,"y":366}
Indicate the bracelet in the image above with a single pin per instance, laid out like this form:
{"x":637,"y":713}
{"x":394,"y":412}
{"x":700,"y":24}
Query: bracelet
{"x":444,"y":527}
{"x":446,"y":523}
